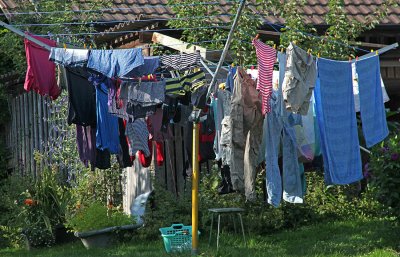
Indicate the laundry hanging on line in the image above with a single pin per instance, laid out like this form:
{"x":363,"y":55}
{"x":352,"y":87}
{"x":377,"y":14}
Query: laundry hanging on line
{"x":137,"y":98}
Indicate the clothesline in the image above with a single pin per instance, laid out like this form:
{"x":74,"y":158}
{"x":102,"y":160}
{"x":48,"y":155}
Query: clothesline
{"x":162,"y":46}
{"x":132,"y":31}
{"x":116,"y":9}
{"x":320,"y":37}
{"x":306,"y":33}
{"x":116,"y":21}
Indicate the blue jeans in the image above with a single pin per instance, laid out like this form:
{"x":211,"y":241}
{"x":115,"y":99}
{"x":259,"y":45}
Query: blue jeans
{"x":277,"y":125}
{"x":116,"y":62}
{"x":278,"y":128}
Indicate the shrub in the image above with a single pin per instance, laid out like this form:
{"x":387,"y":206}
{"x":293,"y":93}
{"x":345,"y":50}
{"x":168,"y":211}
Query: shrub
{"x":33,"y":208}
{"x":384,"y":173}
{"x":339,"y":202}
{"x":10,"y":190}
{"x":97,"y":216}
{"x":321,"y":203}
{"x":164,"y":209}
{"x":42,"y":208}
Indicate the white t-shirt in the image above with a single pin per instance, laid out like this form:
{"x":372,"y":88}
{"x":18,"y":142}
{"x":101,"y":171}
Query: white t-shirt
{"x":253,"y":73}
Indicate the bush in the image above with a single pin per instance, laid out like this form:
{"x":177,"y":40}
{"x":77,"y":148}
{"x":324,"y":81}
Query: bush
{"x":97,"y":216}
{"x":321,"y":204}
{"x":10,"y":191}
{"x":340,"y":202}
{"x":33,"y":208}
{"x":42,"y":208}
{"x":164,"y":209}
{"x":384,"y":172}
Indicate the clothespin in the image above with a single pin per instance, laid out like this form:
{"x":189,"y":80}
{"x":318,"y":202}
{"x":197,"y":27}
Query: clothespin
{"x":376,"y":52}
{"x":274,"y":46}
{"x":256,"y":37}
{"x":349,"y":58}
{"x":232,"y":65}
{"x":90,"y":46}
{"x":356,"y":58}
{"x":84,"y":45}
{"x":282,"y":50}
{"x":252,"y":67}
{"x":319,"y":55}
{"x":309,"y":51}
{"x":149,"y":77}
{"x":65,"y":46}
{"x":372,"y":50}
{"x":295,"y":42}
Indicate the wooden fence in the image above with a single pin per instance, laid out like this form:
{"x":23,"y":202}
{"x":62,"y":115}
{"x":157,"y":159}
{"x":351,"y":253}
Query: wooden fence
{"x":29,"y":130}
{"x":36,"y":125}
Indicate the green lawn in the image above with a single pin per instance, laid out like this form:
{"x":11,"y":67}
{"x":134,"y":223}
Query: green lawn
{"x":356,"y":238}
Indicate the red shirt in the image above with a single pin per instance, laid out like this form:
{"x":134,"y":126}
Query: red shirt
{"x":41,"y":73}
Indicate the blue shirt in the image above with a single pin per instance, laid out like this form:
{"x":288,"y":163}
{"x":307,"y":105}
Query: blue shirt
{"x":107,"y":133}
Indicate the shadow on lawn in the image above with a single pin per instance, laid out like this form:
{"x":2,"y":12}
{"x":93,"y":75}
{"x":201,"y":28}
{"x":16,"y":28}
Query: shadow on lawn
{"x":347,"y":238}
{"x":332,"y":239}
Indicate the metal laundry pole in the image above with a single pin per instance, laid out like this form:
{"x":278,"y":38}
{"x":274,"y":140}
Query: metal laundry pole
{"x":195,"y":182}
{"x":195,"y":150}
{"x":22,"y":34}
{"x":226,"y":48}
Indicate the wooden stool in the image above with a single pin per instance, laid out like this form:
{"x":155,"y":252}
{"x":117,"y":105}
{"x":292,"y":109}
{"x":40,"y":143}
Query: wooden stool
{"x":232,"y":212}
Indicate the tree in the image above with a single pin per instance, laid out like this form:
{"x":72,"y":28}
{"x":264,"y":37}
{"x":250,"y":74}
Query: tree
{"x":192,"y":17}
{"x":58,"y":20}
{"x":334,"y":43}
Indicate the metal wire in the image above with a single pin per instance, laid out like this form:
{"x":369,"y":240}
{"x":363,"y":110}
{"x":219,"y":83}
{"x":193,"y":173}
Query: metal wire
{"x":306,"y":33}
{"x":117,"y":9}
{"x":131,"y":31}
{"x":114,"y":21}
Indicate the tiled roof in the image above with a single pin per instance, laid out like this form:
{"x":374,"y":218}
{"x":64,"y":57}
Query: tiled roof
{"x":314,"y":10}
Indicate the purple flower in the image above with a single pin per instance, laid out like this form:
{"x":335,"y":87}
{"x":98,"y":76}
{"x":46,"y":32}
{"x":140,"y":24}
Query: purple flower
{"x":366,"y":174}
{"x":385,"y":149}
{"x":366,"y":167}
{"x":395,"y":156}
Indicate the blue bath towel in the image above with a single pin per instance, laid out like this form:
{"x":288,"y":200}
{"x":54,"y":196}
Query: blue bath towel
{"x":337,"y":122}
{"x":372,"y":109}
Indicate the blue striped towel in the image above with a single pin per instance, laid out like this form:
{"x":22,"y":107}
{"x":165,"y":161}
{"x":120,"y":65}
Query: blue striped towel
{"x":337,"y":122}
{"x":372,"y":109}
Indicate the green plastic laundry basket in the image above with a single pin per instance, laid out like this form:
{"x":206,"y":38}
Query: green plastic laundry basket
{"x":177,"y":238}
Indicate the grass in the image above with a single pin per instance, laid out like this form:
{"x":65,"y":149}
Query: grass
{"x":374,"y":238}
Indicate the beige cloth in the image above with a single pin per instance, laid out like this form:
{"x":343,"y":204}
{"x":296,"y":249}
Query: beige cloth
{"x":299,"y":81}
{"x":246,"y":129}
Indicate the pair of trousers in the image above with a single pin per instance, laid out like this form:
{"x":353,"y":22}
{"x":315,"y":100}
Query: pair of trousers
{"x":277,"y":128}
{"x":246,"y":133}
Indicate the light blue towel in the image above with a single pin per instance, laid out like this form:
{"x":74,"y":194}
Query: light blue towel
{"x":372,"y":109}
{"x":337,"y":122}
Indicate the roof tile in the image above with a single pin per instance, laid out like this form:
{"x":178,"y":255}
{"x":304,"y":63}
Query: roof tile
{"x":314,"y":10}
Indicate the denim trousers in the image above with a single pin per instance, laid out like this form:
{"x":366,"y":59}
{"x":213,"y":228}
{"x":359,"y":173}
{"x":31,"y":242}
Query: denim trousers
{"x":277,"y":129}
{"x":280,"y":133}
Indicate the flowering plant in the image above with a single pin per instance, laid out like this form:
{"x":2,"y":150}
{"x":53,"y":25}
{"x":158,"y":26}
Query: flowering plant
{"x":384,"y":172}
{"x":42,"y":208}
{"x":36,"y":225}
